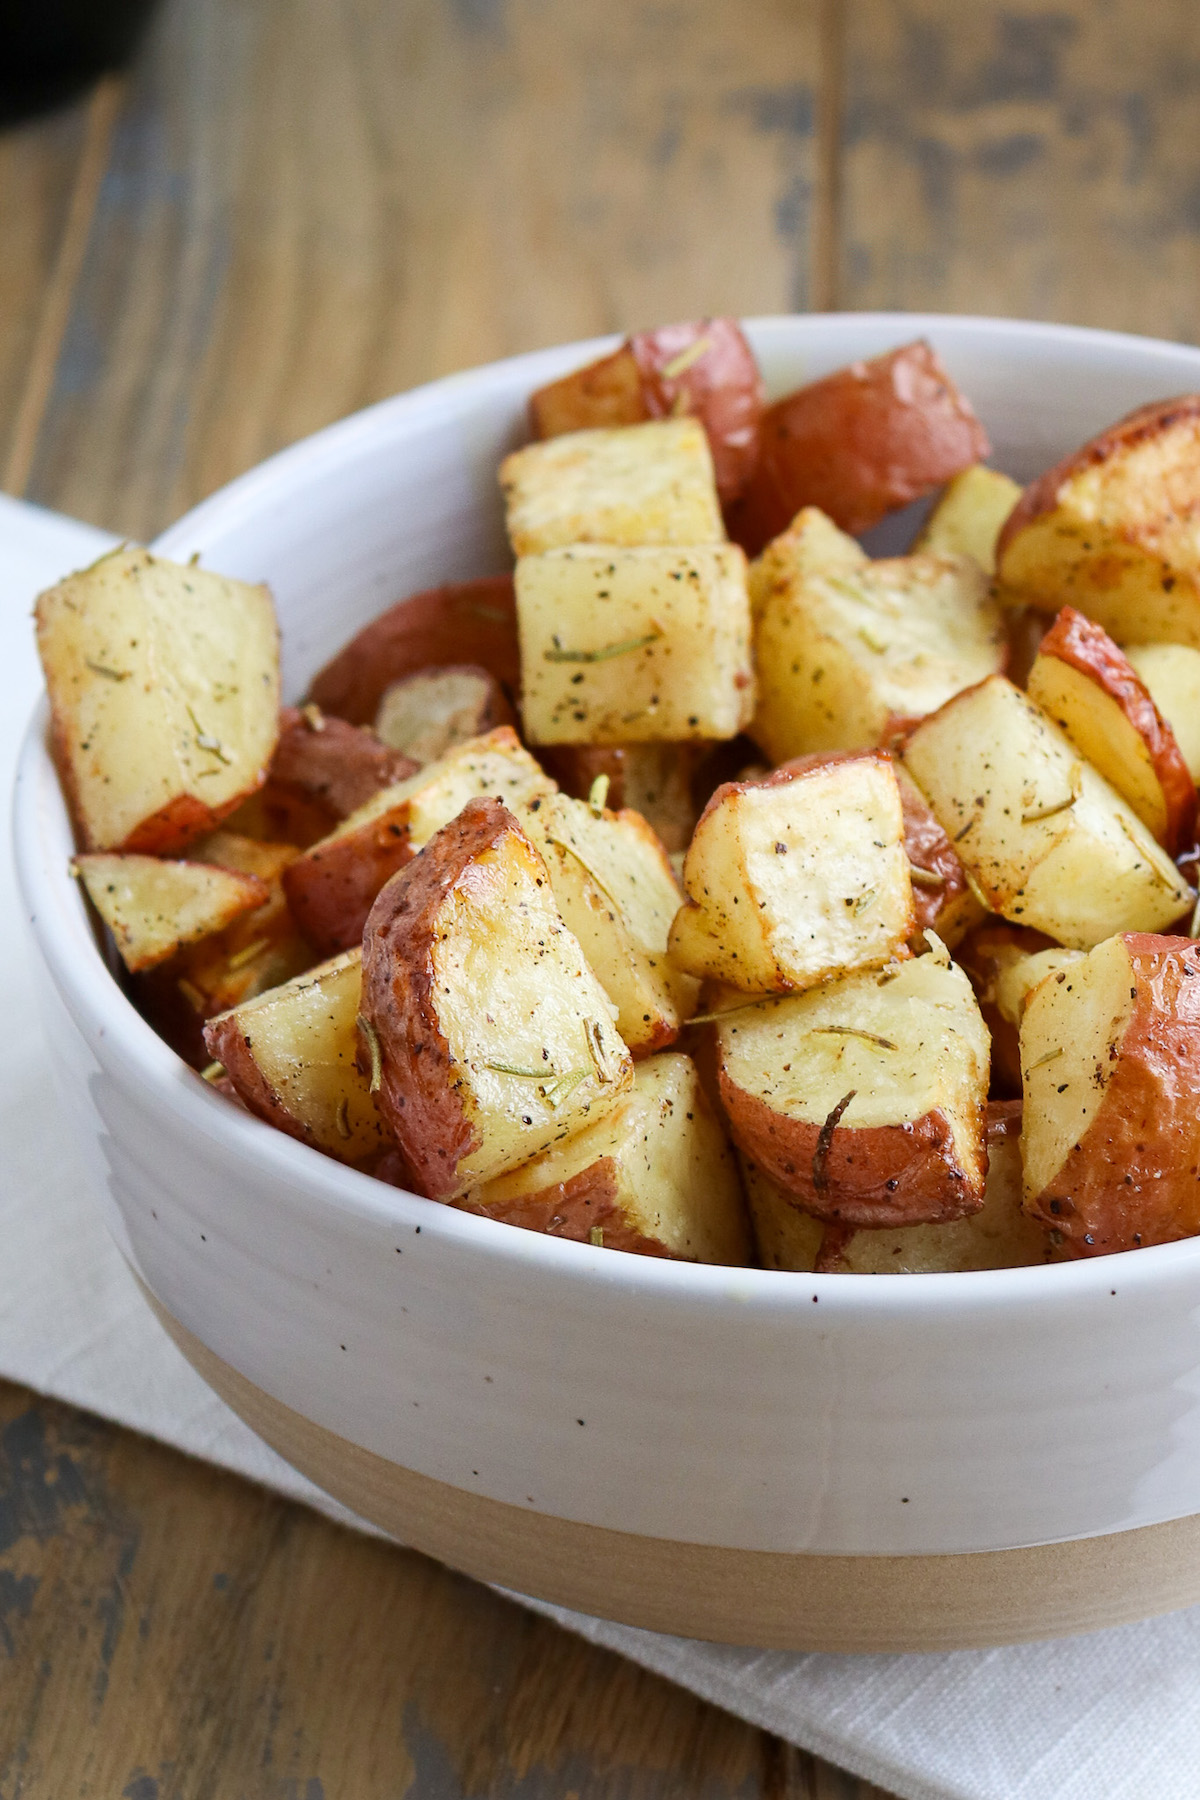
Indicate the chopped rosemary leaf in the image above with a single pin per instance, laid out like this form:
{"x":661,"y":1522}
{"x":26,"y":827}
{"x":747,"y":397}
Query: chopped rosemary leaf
{"x":678,"y":365}
{"x":869,"y":1037}
{"x":109,"y":674}
{"x":205,"y":740}
{"x":598,"y":794}
{"x":343,"y":1120}
{"x":1050,"y":1056}
{"x":546,"y":1074}
{"x":313,"y":717}
{"x":1048,"y":812}
{"x":248,"y":952}
{"x":596,"y":1236}
{"x":373,"y":1045}
{"x":728,"y":1011}
{"x":214,"y":1072}
{"x":555,"y":1092}
{"x":926,"y":878}
{"x":864,"y":900}
{"x":558,"y":655}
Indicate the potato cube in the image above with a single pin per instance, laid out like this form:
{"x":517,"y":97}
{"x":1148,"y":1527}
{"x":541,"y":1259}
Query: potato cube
{"x":1171,"y":673}
{"x":154,"y":907}
{"x":631,"y":645}
{"x":865,"y":1097}
{"x":969,"y":515}
{"x":638,"y":484}
{"x":164,"y":697}
{"x":844,"y":645}
{"x":490,"y":1037}
{"x":1046,"y":840}
{"x":291,"y":1055}
{"x":655,"y":1176}
{"x":1110,"y":1051}
{"x":796,"y":878}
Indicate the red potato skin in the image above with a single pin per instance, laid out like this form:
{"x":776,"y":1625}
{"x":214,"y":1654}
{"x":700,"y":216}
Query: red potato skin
{"x":332,"y":887}
{"x":1041,"y":496}
{"x":416,"y":1095}
{"x":977,"y":956}
{"x":574,"y":1209}
{"x":874,"y":1176}
{"x":1134,"y":1177}
{"x":1075,"y":640}
{"x":337,"y":765}
{"x":465,"y":621}
{"x":604,"y":395}
{"x":174,"y":826}
{"x":860,"y":443}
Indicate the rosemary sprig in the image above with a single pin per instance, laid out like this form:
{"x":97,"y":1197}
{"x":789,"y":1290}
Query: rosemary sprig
{"x":820,"y":1179}
{"x":526,"y":1074}
{"x":374,"y":1046}
{"x":558,"y":655}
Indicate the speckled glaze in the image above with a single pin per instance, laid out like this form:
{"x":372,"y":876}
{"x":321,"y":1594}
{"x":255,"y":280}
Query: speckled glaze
{"x":739,"y":1409}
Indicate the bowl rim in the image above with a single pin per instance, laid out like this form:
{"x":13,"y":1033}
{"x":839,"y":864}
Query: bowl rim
{"x":117,"y":1030}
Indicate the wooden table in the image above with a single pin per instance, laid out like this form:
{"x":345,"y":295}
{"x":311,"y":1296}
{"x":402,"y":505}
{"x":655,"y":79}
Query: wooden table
{"x":285,"y":211}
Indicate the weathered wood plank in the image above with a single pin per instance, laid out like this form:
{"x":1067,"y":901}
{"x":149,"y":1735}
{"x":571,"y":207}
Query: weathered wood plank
{"x":1031,"y":160}
{"x":309,"y":206}
{"x":171,"y":1633}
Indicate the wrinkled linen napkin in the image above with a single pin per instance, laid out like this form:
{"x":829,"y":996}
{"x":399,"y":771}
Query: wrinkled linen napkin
{"x":1116,"y":1714}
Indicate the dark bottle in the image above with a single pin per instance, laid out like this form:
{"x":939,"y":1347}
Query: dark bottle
{"x":51,"y":50}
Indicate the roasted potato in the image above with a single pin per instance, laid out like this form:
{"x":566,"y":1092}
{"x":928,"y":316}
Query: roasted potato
{"x":656,"y":1176}
{"x":426,"y":714}
{"x":967,"y":518}
{"x":628,"y":645}
{"x":859,"y":443}
{"x":796,"y":878}
{"x":291,"y":1057}
{"x":986,"y":954}
{"x":652,"y":779}
{"x":865,"y":1098}
{"x":706,"y":369}
{"x":1112,"y":529}
{"x":1111,"y":1134}
{"x":1045,"y":839}
{"x":999,"y":1236}
{"x":331,"y":887}
{"x":943,"y":899}
{"x":845,"y":645}
{"x":464,"y":621}
{"x":153,"y":907}
{"x":617,"y":892}
{"x":639,"y":484}
{"x":1171,"y":673}
{"x":488,"y":1036}
{"x":322,"y":770}
{"x":164,"y":697}
{"x":1093,"y":693}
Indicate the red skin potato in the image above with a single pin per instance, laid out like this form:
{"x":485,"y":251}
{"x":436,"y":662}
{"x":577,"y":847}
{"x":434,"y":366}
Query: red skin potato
{"x":652,"y":377}
{"x":465,"y":621}
{"x":573,"y":1209}
{"x":1041,"y":496}
{"x":1086,"y":647}
{"x":174,"y":826}
{"x":977,"y":956}
{"x":332,"y":887}
{"x":333,"y":763}
{"x":859,"y":443}
{"x":1134,"y":1177}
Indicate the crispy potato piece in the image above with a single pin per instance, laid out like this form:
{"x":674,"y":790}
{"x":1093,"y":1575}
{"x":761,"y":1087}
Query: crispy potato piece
{"x":164,"y":697}
{"x":428,"y":713}
{"x":629,"y":645}
{"x":967,"y":519}
{"x":639,"y":484}
{"x":491,"y":1037}
{"x":1018,"y":978}
{"x":943,"y":899}
{"x":1171,"y":673}
{"x":154,"y":907}
{"x":865,"y":1097}
{"x":652,"y":779}
{"x":844,"y":644}
{"x":859,"y":443}
{"x":706,"y":369}
{"x":1093,"y":693}
{"x":796,"y":878}
{"x":618,"y":894}
{"x":291,"y":1057}
{"x":331,"y":887}
{"x":999,"y":1236}
{"x":655,"y":1176}
{"x":464,"y":621}
{"x":1111,"y":1134}
{"x":322,"y":770}
{"x":1112,"y":529}
{"x":1045,"y":839}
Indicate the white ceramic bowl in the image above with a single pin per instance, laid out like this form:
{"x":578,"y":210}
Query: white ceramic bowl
{"x":841,"y":1461}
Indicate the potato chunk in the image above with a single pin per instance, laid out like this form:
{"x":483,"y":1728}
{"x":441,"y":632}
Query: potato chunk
{"x":865,"y":1098}
{"x":703,"y":368}
{"x":331,"y":887}
{"x":858,"y":443}
{"x":164,"y":697}
{"x":1111,"y":1057}
{"x":633,"y":645}
{"x":655,"y":1176}
{"x":321,"y":771}
{"x":1113,"y":529}
{"x":154,"y":907}
{"x":793,"y":879}
{"x":1092,"y":691}
{"x":844,"y":644}
{"x":491,"y":1036}
{"x":639,"y":484}
{"x":999,"y":1236}
{"x":652,"y":779}
{"x":1044,"y":837}
{"x":943,"y":899}
{"x":291,"y":1056}
{"x":968,"y":518}
{"x":618,"y":894}
{"x":1171,"y":673}
{"x":428,"y":713}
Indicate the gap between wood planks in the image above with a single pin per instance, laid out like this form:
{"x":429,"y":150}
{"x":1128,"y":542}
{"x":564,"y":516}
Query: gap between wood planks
{"x":827,"y":207}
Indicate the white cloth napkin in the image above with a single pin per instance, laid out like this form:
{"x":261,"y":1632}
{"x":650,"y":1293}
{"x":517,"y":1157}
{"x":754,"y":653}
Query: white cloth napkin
{"x":1116,"y":1714}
